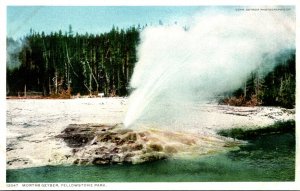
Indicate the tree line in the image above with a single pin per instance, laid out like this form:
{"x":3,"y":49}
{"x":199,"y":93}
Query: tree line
{"x":276,"y":88}
{"x":59,"y":64}
{"x":65,"y":64}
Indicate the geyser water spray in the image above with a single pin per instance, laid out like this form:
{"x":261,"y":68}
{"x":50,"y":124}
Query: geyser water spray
{"x":177,"y":67}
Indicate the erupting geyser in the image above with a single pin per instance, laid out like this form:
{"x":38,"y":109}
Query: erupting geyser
{"x":178,"y":67}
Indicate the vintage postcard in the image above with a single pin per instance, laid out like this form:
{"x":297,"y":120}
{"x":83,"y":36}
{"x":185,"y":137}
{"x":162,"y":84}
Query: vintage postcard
{"x":117,"y":96}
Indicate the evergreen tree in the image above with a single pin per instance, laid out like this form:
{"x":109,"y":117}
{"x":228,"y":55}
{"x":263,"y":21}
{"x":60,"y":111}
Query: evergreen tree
{"x":66,"y":63}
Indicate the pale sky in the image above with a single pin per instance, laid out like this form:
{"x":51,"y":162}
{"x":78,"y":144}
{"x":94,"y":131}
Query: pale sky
{"x":91,"y":19}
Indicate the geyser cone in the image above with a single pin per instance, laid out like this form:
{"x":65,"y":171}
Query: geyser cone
{"x":215,"y":55}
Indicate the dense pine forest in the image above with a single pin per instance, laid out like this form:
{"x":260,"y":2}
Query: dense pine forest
{"x":61,"y":65}
{"x":67,"y":64}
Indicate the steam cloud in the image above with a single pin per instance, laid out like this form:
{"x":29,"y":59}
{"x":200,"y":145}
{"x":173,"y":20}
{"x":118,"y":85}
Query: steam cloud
{"x":178,"y":68}
{"x":12,"y":52}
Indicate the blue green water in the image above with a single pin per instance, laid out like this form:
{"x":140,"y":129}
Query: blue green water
{"x":267,"y":158}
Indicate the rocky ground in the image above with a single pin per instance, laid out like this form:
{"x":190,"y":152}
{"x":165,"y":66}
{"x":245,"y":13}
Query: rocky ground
{"x":90,"y":131}
{"x":106,"y":144}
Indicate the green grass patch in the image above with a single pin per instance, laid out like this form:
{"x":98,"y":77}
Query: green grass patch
{"x":250,"y":134}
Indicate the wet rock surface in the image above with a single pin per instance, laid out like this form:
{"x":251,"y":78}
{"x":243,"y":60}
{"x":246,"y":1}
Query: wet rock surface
{"x":114,"y":144}
{"x":107,"y":144}
{"x":20,"y":161}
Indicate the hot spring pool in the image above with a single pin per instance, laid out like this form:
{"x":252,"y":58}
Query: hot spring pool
{"x":268,"y":158}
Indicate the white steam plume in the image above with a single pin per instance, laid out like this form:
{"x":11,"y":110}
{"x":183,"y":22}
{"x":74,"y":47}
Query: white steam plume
{"x":13,"y":49}
{"x":175,"y":67}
